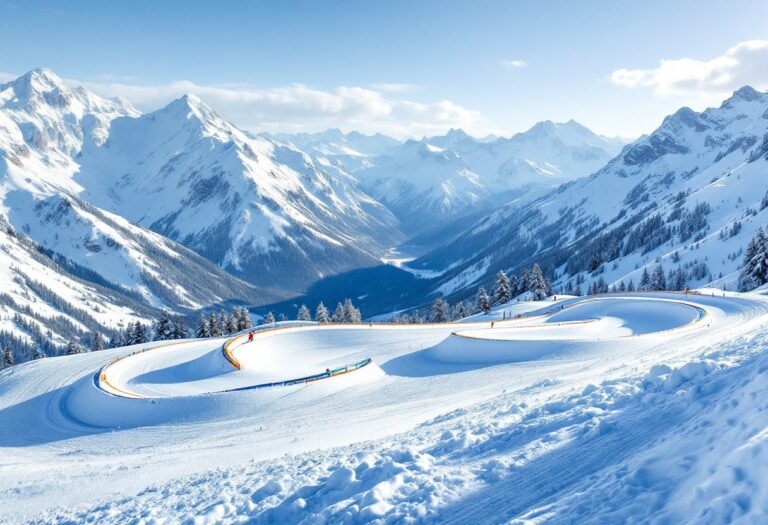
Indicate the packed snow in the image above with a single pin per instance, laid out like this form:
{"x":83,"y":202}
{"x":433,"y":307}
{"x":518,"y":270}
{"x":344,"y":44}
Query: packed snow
{"x":660,"y":408}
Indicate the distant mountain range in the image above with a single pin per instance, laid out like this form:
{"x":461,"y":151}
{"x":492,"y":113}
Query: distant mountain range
{"x":688,"y":198}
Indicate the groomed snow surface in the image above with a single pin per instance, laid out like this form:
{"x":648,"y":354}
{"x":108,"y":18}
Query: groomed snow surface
{"x":615,"y":409}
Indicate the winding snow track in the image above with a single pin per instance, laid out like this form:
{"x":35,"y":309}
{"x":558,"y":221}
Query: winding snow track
{"x":61,"y":425}
{"x":158,"y":371}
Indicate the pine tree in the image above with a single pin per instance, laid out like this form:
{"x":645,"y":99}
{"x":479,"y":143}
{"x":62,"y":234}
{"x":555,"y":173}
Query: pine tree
{"x":747,"y":278}
{"x":232,"y":321}
{"x":213,"y":325}
{"x":73,"y":347}
{"x":180,"y":330}
{"x":97,"y":342}
{"x":303,"y":314}
{"x":440,"y":310}
{"x":338,"y":314}
{"x":281,"y":317}
{"x":244,"y":321}
{"x":631,"y":286}
{"x":142,"y":332}
{"x":536,"y":284}
{"x":622,"y":286}
{"x":223,"y":323}
{"x":483,"y":302}
{"x":351,"y":314}
{"x":163,"y":327}
{"x":203,"y":328}
{"x":7,"y":357}
{"x":514,"y":286}
{"x":658,"y":281}
{"x":270,"y":318}
{"x":321,"y":313}
{"x":645,"y":281}
{"x":502,"y":292}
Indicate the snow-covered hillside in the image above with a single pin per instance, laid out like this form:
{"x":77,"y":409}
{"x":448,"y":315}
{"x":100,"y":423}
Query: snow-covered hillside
{"x":654,"y":400}
{"x":687,"y":198}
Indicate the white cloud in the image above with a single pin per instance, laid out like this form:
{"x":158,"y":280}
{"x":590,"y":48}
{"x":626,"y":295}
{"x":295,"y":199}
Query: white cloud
{"x":744,"y":63}
{"x":298,"y":107}
{"x":513,"y":64}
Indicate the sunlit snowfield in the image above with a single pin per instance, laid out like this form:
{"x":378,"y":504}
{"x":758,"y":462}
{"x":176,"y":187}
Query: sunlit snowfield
{"x":531,"y":418}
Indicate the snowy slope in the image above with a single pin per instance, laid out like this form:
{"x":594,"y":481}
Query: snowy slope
{"x":687,"y":196}
{"x":428,"y":181}
{"x":669,"y":424}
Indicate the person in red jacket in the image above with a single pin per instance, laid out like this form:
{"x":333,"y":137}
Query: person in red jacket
{"x":250,"y":337}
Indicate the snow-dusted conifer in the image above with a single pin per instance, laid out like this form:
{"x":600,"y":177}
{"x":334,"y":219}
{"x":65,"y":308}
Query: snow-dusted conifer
{"x":536,"y":284}
{"x":440,"y":310}
{"x":213,"y":325}
{"x":502,"y":292}
{"x":351,"y":313}
{"x":483,"y":301}
{"x":203,"y":328}
{"x":269,"y":318}
{"x":163,"y":327}
{"x":303,"y":314}
{"x":658,"y":281}
{"x":73,"y":347}
{"x":321,"y":314}
{"x":180,"y":330}
{"x":232,"y":321}
{"x":338,"y":314}
{"x":7,"y":356}
{"x":244,"y":320}
{"x":97,"y":342}
{"x":645,"y":281}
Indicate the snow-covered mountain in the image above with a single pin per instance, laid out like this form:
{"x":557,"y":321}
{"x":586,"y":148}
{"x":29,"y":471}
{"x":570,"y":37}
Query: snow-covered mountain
{"x":47,"y":128}
{"x":687,"y":197}
{"x":335,"y":144}
{"x":429,"y":181}
{"x":262,"y":210}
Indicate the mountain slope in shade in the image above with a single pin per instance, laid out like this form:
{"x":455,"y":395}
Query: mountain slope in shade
{"x":260,"y":209}
{"x":688,"y":197}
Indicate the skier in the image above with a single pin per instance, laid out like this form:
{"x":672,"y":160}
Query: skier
{"x":250,"y":337}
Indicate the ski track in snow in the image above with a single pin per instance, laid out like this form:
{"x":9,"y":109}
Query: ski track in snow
{"x":634,"y":424}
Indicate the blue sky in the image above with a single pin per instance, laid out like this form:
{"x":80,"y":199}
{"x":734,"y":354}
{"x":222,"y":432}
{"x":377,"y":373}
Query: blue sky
{"x":401,"y":67}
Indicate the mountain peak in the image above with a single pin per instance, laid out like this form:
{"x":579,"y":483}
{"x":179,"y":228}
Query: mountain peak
{"x":747,"y":93}
{"x":37,"y":81}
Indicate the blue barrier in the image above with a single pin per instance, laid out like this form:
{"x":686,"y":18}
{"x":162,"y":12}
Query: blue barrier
{"x":306,"y":379}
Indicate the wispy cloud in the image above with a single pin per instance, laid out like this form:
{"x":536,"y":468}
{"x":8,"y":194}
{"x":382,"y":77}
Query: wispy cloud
{"x":395,"y":88}
{"x":744,"y":63}
{"x":298,"y":107}
{"x":513,"y":64}
{"x":7,"y":77}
